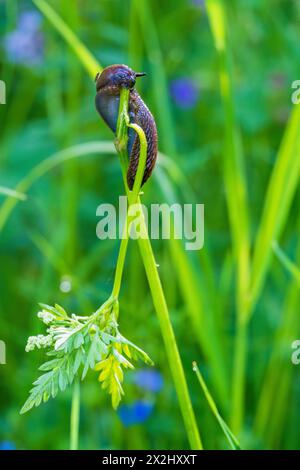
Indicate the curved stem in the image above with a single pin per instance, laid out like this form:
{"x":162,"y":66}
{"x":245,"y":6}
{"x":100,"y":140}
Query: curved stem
{"x":123,"y":123}
{"x":120,"y":267}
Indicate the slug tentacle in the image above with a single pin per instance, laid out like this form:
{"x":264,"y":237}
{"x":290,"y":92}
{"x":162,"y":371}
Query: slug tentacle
{"x":109,"y":84}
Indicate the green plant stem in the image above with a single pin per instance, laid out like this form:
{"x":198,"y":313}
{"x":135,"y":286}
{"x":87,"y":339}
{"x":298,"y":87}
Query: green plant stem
{"x":121,"y":142}
{"x":155,"y":284}
{"x":120,"y":267}
{"x":169,"y":340}
{"x":75,"y":414}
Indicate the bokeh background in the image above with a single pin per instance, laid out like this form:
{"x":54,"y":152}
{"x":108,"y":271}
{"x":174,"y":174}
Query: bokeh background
{"x":221,"y":146}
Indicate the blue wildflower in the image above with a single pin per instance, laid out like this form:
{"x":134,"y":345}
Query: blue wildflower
{"x":25,"y":45}
{"x":7,"y":445}
{"x":148,"y":379}
{"x":184,"y":92}
{"x":29,"y":21}
{"x":135,"y":413}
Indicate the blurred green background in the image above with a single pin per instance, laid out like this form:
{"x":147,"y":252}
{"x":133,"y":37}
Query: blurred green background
{"x":221,"y":139}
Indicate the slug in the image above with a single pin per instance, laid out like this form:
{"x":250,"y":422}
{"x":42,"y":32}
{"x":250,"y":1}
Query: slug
{"x":108,"y":86}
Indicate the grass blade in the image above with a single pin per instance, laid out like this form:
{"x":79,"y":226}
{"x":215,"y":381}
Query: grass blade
{"x":273,"y":400}
{"x":232,"y":440}
{"x":54,"y":160}
{"x":12,"y":193}
{"x":236,"y":194}
{"x":282,"y":186}
{"x":234,"y":172}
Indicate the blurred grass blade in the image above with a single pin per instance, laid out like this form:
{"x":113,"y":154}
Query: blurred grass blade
{"x":274,"y":397}
{"x":286,"y":262}
{"x":271,"y":417}
{"x":237,"y":203}
{"x":56,"y":159}
{"x":84,"y":55}
{"x":217,"y":23}
{"x":203,"y":325}
{"x":12,"y":193}
{"x":232,"y":440}
{"x":282,"y":186}
{"x":234,"y":171}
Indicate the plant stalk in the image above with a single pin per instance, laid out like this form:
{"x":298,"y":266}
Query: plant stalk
{"x":75,"y":415}
{"x":154,"y":280}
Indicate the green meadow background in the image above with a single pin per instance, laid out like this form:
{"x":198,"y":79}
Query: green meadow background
{"x":218,"y":83}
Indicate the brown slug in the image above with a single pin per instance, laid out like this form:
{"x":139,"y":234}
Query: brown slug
{"x":108,"y":86}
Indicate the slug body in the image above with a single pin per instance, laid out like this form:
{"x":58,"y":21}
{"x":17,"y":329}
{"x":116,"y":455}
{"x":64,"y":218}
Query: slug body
{"x":108,"y":85}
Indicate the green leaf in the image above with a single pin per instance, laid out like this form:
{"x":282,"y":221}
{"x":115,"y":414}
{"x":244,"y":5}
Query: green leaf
{"x":78,"y":340}
{"x":49,"y":365}
{"x":62,"y":379}
{"x":50,"y":309}
{"x":68,"y":338}
{"x":48,"y":384}
{"x":95,"y":354}
{"x":78,"y":360}
{"x":61,"y":310}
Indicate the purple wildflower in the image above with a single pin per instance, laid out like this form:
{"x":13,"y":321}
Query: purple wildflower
{"x":185,"y":92}
{"x":25,"y":45}
{"x":148,"y":379}
{"x":136,"y":413}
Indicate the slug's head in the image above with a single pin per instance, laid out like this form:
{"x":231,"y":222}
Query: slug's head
{"x":119,"y":76}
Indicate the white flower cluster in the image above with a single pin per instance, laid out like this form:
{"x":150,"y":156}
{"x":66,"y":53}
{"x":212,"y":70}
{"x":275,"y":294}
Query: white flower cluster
{"x":39,"y":341}
{"x":45,"y":316}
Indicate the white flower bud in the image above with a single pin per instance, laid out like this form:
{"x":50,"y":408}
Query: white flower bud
{"x":46,"y":317}
{"x":39,"y":341}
